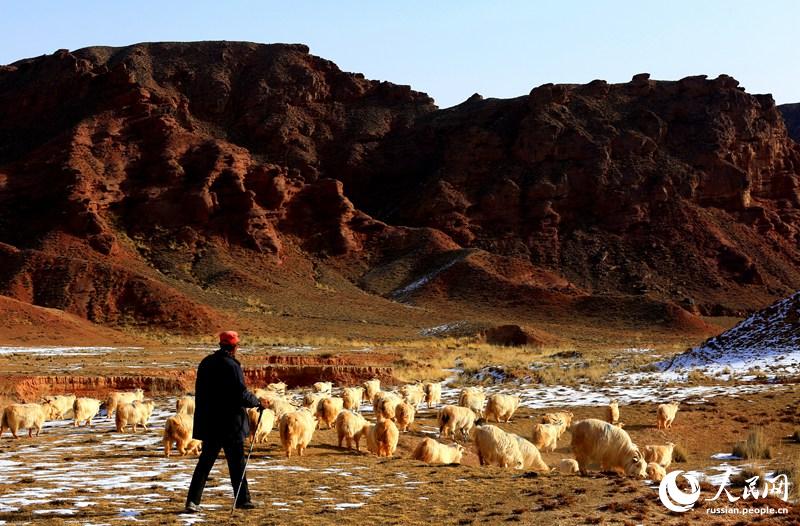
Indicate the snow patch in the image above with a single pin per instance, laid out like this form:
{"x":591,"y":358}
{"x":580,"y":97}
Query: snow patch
{"x":425,"y":279}
{"x":55,"y":511}
{"x":65,"y":351}
{"x":446,"y":328}
{"x":346,"y":505}
{"x":767,"y":342}
{"x":725,"y":456}
{"x":541,"y":397}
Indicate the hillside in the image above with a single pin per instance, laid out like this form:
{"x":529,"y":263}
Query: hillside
{"x":183,"y":187}
{"x":765,"y":343}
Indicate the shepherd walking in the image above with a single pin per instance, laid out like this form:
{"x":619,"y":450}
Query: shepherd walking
{"x":220,"y":421}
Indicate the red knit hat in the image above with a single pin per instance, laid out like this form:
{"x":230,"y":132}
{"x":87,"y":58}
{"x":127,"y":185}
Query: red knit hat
{"x":229,"y":338}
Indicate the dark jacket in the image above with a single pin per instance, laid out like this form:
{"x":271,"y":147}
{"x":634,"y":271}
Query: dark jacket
{"x":221,"y":398}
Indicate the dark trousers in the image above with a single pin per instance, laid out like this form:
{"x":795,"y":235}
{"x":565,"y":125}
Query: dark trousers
{"x":234,"y":453}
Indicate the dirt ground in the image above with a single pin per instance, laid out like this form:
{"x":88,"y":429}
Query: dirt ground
{"x":109,"y":478}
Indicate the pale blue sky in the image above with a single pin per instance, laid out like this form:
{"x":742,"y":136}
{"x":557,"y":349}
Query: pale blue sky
{"x":451,"y":49}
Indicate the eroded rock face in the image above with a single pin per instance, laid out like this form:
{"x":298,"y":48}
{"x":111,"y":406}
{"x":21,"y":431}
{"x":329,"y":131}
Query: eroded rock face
{"x":791,"y":116}
{"x":685,"y":190}
{"x":178,"y":144}
{"x":176,"y":135}
{"x":100,"y":292}
{"x":122,"y":169}
{"x":306,"y":375}
{"x":33,"y":388}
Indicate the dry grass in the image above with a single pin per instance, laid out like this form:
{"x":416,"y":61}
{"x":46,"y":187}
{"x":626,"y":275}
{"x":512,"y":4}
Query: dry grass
{"x":161,"y":337}
{"x":755,"y":446}
{"x":585,"y":372}
{"x":302,"y":341}
{"x":574,"y":374}
{"x":552,"y":365}
{"x":252,"y":340}
{"x":740,"y":479}
{"x":257,"y":306}
{"x":481,"y":356}
{"x":413,"y":371}
{"x":698,"y":378}
{"x":679,"y":454}
{"x":324,"y":287}
{"x":792,"y":472}
{"x":418,"y":362}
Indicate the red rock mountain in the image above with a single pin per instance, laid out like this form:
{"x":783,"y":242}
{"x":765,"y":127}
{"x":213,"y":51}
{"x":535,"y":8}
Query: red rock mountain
{"x":687,"y":190}
{"x":184,"y":186}
{"x":791,"y":116}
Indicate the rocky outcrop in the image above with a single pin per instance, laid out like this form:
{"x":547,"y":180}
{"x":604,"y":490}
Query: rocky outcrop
{"x":512,"y":336}
{"x":306,"y":375}
{"x":100,"y":292}
{"x":791,"y":116}
{"x":687,"y":190}
{"x":341,"y":369}
{"x":25,"y":324}
{"x":31,"y":388}
{"x":159,"y":148}
{"x":180,"y":185}
{"x":219,"y":138}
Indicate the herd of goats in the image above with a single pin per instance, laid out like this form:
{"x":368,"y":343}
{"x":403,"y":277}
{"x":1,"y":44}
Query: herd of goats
{"x":594,"y":442}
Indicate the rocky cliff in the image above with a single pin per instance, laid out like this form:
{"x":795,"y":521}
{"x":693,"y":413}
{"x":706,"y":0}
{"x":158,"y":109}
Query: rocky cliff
{"x":191,"y":185}
{"x":684,"y":190}
{"x":791,"y":116}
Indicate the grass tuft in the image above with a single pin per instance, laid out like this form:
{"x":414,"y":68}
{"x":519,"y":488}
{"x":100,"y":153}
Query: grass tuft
{"x":740,"y":479}
{"x":698,"y":377}
{"x":792,"y":472}
{"x":679,"y":454}
{"x":755,"y":446}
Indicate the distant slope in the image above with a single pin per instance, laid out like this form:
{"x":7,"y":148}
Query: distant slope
{"x":25,"y":324}
{"x":767,"y":341}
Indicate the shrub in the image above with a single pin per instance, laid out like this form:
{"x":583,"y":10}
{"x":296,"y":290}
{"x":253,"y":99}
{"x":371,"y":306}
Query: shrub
{"x":754,"y":447}
{"x":740,"y":479}
{"x":679,"y":454}
{"x":697,"y":377}
{"x":792,"y":471}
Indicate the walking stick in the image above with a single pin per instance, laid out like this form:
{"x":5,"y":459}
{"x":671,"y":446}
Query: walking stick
{"x":244,"y":469}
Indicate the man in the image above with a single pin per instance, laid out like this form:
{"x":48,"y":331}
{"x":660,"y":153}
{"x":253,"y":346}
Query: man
{"x":220,"y":420}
